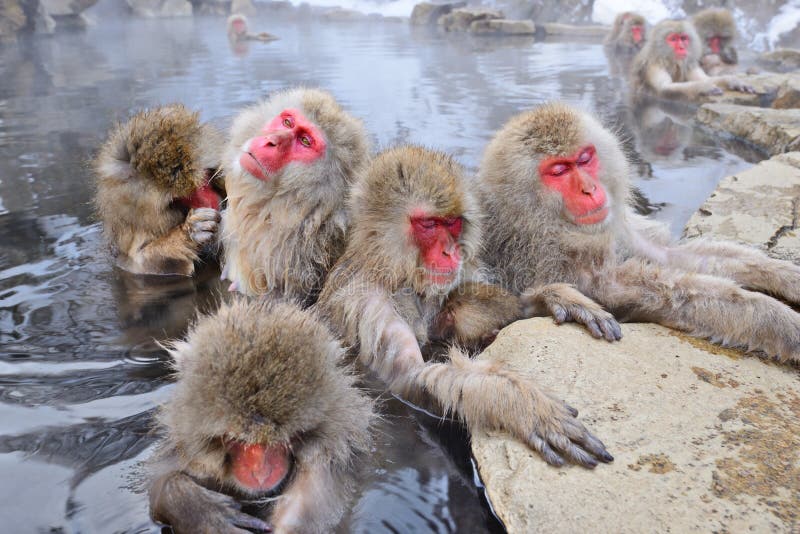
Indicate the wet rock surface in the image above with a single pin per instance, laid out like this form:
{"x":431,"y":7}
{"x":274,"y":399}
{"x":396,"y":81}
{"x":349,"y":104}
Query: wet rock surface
{"x":773,"y":130}
{"x":461,"y":19}
{"x":592,"y":32}
{"x":427,"y":13}
{"x":704,"y":438}
{"x":759,"y":206}
{"x":781,"y":60}
{"x":160,"y":8}
{"x":776,"y":90}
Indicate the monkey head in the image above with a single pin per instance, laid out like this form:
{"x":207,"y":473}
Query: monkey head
{"x":418,"y":204}
{"x":256,"y":381}
{"x":630,"y":29}
{"x":674,"y":42}
{"x":717,"y":31}
{"x":237,"y":26}
{"x":296,"y":140}
{"x":560,"y":167}
{"x":170,"y":147}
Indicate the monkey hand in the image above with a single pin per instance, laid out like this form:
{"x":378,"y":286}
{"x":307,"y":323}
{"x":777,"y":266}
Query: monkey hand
{"x":565,"y":303}
{"x":709,"y":90}
{"x":201,"y":225}
{"x":735,"y":84}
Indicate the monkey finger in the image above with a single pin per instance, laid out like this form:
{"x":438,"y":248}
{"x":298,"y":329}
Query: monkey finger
{"x":594,"y":328}
{"x":201,"y":238}
{"x":204,"y":226}
{"x":251,"y":523}
{"x":559,"y":313}
{"x":204,"y":214}
{"x":611,"y":329}
{"x":572,"y":411}
{"x":550,"y":456}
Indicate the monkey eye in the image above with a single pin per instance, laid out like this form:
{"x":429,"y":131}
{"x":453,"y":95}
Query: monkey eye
{"x":558,"y":169}
{"x":288,"y":122}
{"x":585,"y":157}
{"x":427,"y":223}
{"x":306,"y":141}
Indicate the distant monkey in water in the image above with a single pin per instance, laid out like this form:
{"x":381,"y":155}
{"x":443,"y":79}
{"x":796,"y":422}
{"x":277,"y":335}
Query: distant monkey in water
{"x":288,"y":166}
{"x":413,"y":239}
{"x":264,"y":413}
{"x":628,"y":33}
{"x":156,"y":192}
{"x":717,"y":32}
{"x":555,"y":186}
{"x":668,"y":66}
{"x":237,"y":31}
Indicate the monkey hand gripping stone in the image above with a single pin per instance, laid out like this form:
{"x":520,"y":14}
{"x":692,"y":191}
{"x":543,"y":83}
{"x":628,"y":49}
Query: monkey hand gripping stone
{"x":704,"y":438}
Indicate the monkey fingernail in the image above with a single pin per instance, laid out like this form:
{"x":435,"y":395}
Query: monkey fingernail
{"x":606,"y":457}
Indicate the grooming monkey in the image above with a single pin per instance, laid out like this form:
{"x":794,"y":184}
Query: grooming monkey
{"x":288,"y":166}
{"x":667,"y":66}
{"x":237,"y":31}
{"x":554,"y":185}
{"x":717,"y":31}
{"x":263,"y":413}
{"x":628,"y":33}
{"x":155,"y":195}
{"x":413,"y":239}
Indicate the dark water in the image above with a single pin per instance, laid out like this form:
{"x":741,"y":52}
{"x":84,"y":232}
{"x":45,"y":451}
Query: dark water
{"x":79,"y":369}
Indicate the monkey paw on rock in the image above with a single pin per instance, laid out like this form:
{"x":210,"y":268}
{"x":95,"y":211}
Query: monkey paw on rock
{"x":202,"y":224}
{"x":735,"y":84}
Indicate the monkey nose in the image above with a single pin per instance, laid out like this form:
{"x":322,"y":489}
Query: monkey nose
{"x":277,"y":138}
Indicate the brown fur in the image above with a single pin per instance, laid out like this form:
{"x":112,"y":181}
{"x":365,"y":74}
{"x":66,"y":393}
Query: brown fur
{"x":283,"y":235}
{"x":620,"y":38}
{"x":717,"y":22}
{"x":384,"y":309}
{"x":259,"y":372}
{"x":146,"y":163}
{"x":628,"y":264}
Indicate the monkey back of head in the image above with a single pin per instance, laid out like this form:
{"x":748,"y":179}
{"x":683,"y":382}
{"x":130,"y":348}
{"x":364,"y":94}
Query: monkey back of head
{"x":529,"y":226}
{"x":717,"y":31}
{"x":287,"y":217}
{"x":404,"y":186}
{"x":657,"y":51}
{"x":261,"y":373}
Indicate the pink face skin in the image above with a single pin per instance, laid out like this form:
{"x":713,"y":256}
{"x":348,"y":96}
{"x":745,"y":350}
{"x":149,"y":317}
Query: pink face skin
{"x":638,"y":33}
{"x":258,"y":468}
{"x":437,"y":240}
{"x":239,"y":27}
{"x":679,"y":43}
{"x":574,"y":177}
{"x":714,"y":44}
{"x":289,"y":137}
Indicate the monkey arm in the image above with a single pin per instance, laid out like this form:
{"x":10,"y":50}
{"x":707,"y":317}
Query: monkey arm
{"x":180,"y":501}
{"x":722,"y":82}
{"x":565,"y":303}
{"x":698,"y":85}
{"x":701,"y":305}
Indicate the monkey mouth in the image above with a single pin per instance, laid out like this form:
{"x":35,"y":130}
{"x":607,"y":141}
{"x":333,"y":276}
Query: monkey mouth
{"x":592,"y":217}
{"x":261,"y":172}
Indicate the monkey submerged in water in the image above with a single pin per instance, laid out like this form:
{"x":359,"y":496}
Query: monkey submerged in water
{"x":263,"y":412}
{"x":288,"y":166}
{"x":237,"y":31}
{"x":668,"y":66}
{"x":555,"y":185}
{"x":413,"y":240}
{"x":155,"y":192}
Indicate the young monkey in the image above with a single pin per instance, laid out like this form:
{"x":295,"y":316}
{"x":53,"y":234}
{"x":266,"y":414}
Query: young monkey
{"x":154,"y":190}
{"x":668,"y":66}
{"x":717,"y":32}
{"x":288,"y":167}
{"x":263,"y":412}
{"x":555,"y":184}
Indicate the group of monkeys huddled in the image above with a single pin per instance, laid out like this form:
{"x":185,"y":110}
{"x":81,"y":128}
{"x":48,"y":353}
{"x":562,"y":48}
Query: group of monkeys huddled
{"x":330,"y":246}
{"x":678,"y":59}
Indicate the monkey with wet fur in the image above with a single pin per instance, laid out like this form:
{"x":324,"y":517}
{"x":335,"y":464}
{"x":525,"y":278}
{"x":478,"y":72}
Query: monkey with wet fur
{"x":627,"y":34}
{"x":265,"y":413}
{"x":155,"y":190}
{"x":717,"y":32}
{"x":237,"y":31}
{"x":414,"y":237}
{"x":554,"y":185}
{"x":288,"y":166}
{"x":668,"y":66}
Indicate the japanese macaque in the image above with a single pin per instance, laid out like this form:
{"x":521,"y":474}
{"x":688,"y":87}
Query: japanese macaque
{"x":717,"y":31}
{"x":237,"y":31}
{"x":289,"y":165}
{"x":265,"y":414}
{"x":555,"y":184}
{"x":627,"y":34}
{"x":474,"y":313}
{"x":413,"y":239}
{"x":667,"y":66}
{"x":156,"y":195}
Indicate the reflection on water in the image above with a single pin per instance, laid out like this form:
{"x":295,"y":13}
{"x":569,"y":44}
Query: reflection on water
{"x":80,"y":371}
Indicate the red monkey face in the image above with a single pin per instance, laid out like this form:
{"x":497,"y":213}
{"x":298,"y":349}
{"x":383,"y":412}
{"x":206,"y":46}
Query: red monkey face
{"x":258,"y":468}
{"x":289,"y":137}
{"x":714,"y":43}
{"x":437,"y":241}
{"x":679,"y":43}
{"x":239,"y":27}
{"x":574,"y":177}
{"x":637,"y":32}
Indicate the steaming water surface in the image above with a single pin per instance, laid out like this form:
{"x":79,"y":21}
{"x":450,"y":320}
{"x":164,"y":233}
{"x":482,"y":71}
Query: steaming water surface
{"x":80,"y":372}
